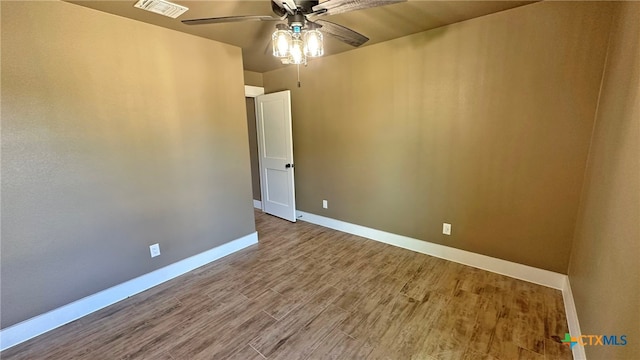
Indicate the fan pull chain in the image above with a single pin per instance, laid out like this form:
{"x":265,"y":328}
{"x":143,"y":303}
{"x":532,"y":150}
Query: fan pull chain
{"x":298,"y":65}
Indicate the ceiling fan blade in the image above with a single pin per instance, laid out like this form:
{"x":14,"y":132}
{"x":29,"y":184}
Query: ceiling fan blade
{"x":284,"y":6}
{"x":342,"y":33}
{"x":333,"y":7}
{"x":268,"y":50}
{"x":227,"y":19}
{"x":278,"y":8}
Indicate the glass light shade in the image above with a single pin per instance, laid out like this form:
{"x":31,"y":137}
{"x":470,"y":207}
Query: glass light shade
{"x":281,"y":41}
{"x":313,"y":45}
{"x":296,"y":53}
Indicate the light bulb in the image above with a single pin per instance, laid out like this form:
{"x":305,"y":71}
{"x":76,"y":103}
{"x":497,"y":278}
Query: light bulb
{"x":281,"y":40}
{"x":296,"y":54}
{"x":313,"y":43}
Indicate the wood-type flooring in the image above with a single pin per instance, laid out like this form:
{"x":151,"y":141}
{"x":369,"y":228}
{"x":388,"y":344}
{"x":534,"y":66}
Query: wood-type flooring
{"x":308,"y":292}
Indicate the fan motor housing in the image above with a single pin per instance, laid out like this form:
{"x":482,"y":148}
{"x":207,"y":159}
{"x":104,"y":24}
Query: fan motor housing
{"x":296,"y":20}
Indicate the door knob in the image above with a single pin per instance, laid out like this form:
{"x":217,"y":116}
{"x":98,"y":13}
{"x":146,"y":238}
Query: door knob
{"x":288,"y":166}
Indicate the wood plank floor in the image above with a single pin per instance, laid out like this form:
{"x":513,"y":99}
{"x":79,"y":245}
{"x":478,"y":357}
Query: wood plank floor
{"x":307,"y":292}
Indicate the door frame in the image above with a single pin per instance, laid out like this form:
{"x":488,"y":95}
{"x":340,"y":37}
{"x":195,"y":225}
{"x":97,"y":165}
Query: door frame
{"x":253,"y":92}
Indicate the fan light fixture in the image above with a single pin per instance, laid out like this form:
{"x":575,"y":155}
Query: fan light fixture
{"x":296,"y":41}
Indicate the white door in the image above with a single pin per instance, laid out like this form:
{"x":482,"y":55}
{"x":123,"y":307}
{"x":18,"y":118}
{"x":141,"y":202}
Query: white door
{"x":275,"y":151}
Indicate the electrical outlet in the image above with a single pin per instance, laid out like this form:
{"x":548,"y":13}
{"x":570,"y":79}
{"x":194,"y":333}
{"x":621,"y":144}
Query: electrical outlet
{"x":446,"y":229}
{"x":154,"y":250}
{"x":325,"y":204}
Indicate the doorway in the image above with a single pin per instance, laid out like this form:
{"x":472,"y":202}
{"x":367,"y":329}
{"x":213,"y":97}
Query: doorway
{"x":253,"y":152}
{"x":271,"y":151}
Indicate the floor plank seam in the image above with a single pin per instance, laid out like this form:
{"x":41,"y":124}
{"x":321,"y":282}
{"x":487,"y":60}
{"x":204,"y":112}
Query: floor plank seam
{"x":256,"y":350}
{"x":271,"y":316}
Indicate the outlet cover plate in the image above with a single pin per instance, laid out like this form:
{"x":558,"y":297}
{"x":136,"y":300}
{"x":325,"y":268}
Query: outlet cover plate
{"x":446,"y":229}
{"x":154,"y":250}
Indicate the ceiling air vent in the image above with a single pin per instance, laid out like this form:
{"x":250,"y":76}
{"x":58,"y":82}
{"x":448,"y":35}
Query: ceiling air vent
{"x":162,"y":7}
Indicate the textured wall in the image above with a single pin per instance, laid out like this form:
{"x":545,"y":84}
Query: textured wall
{"x":115,"y":135}
{"x":604,"y":274}
{"x":484,"y":124}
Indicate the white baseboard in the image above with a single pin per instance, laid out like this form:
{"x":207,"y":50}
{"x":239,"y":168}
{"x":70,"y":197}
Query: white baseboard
{"x":572,"y":320}
{"x":40,"y":324}
{"x":504,"y":267}
{"x":257,"y":204}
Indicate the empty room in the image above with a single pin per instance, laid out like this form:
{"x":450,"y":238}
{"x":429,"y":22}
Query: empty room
{"x":337,"y":179}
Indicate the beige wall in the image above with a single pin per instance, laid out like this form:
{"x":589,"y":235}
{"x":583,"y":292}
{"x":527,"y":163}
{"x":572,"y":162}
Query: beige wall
{"x":253,"y":78}
{"x":115,"y":135}
{"x":603,"y":271}
{"x":484,"y":124}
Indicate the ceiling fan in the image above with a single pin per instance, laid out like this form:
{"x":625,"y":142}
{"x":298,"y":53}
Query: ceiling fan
{"x":302,"y":35}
